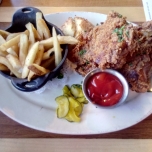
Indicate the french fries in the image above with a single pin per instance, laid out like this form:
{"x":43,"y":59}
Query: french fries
{"x":33,"y":52}
{"x":39,"y":56}
{"x":16,"y":49}
{"x":38,"y":60}
{"x":38,"y":70}
{"x":14,"y":61}
{"x":3,"y":53}
{"x":48,"y":43}
{"x":30,"y":59}
{"x":11,"y":51}
{"x":12,"y":35}
{"x":3,"y":68}
{"x":5,"y":62}
{"x":57,"y":49}
{"x":8,"y":44}
{"x":47,"y":54}
{"x":48,"y":62}
{"x":39,"y":30}
{"x":2,"y":40}
{"x":4,"y":34}
{"x":23,"y":48}
{"x":46,"y":32}
{"x":29,"y":26}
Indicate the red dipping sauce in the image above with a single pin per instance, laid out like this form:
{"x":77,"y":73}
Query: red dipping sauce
{"x":104,"y":89}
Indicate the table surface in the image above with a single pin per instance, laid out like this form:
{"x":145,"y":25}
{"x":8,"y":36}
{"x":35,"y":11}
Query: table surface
{"x":133,"y":10}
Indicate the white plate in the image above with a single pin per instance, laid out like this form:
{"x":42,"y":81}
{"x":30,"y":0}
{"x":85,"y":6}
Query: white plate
{"x":38,"y":110}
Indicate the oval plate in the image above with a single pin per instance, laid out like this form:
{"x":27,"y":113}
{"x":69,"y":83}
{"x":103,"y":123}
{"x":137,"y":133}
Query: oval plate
{"x":38,"y":111}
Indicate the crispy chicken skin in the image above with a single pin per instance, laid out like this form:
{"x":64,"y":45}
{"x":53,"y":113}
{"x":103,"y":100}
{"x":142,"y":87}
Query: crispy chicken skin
{"x":119,"y":45}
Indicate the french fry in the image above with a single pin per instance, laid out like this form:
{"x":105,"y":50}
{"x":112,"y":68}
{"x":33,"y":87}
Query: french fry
{"x":25,"y":57}
{"x":48,"y":43}
{"x":40,"y":32}
{"x":36,"y":34}
{"x":3,"y":68}
{"x":38,"y":70}
{"x":14,"y":61}
{"x":10,"y":43}
{"x":29,"y":26}
{"x":11,"y":51}
{"x":23,"y":51}
{"x":57,"y":49}
{"x":30,"y":59}
{"x":48,"y":63}
{"x":16,"y":49}
{"x":67,"y":40}
{"x":38,"y":16}
{"x":2,"y":53}
{"x":47,"y":54}
{"x":2,"y":40}
{"x":39,"y":56}
{"x":4,"y":33}
{"x":43,"y":30}
{"x":37,"y":60}
{"x":12,"y":35}
{"x":5,"y":62}
{"x":33,"y":33}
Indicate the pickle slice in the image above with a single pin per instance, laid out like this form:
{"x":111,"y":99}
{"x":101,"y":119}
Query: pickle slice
{"x":66,"y":91}
{"x":78,"y":108}
{"x":82,"y":100}
{"x":72,"y":116}
{"x":76,"y":90}
{"x":68,"y":118}
{"x":71,"y":103}
{"x":63,"y":106}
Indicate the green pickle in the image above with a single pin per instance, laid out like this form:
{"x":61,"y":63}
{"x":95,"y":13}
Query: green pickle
{"x":63,"y":106}
{"x":72,"y":116}
{"x":76,"y":90}
{"x":82,"y":100}
{"x":77,"y":106}
{"x":71,"y":103}
{"x":66,"y":91}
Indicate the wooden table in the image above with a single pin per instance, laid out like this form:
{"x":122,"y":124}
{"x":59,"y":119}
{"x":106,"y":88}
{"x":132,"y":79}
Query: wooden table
{"x":134,"y":12}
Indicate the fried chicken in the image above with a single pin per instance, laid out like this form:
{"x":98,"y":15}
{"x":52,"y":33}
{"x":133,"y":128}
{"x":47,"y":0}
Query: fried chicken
{"x":119,"y":45}
{"x":76,"y":26}
{"x":105,"y":46}
{"x":138,"y":68}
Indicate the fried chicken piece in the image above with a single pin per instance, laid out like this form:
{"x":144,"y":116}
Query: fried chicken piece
{"x":138,"y":73}
{"x":76,"y":26}
{"x":118,"y":45}
{"x":69,"y":27}
{"x":138,"y":68}
{"x":110,"y":42}
{"x":105,"y":46}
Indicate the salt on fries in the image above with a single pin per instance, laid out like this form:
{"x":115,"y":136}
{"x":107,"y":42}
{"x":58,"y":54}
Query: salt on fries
{"x":30,"y":53}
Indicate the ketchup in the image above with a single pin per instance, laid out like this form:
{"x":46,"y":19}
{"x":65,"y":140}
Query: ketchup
{"x":104,"y":89}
